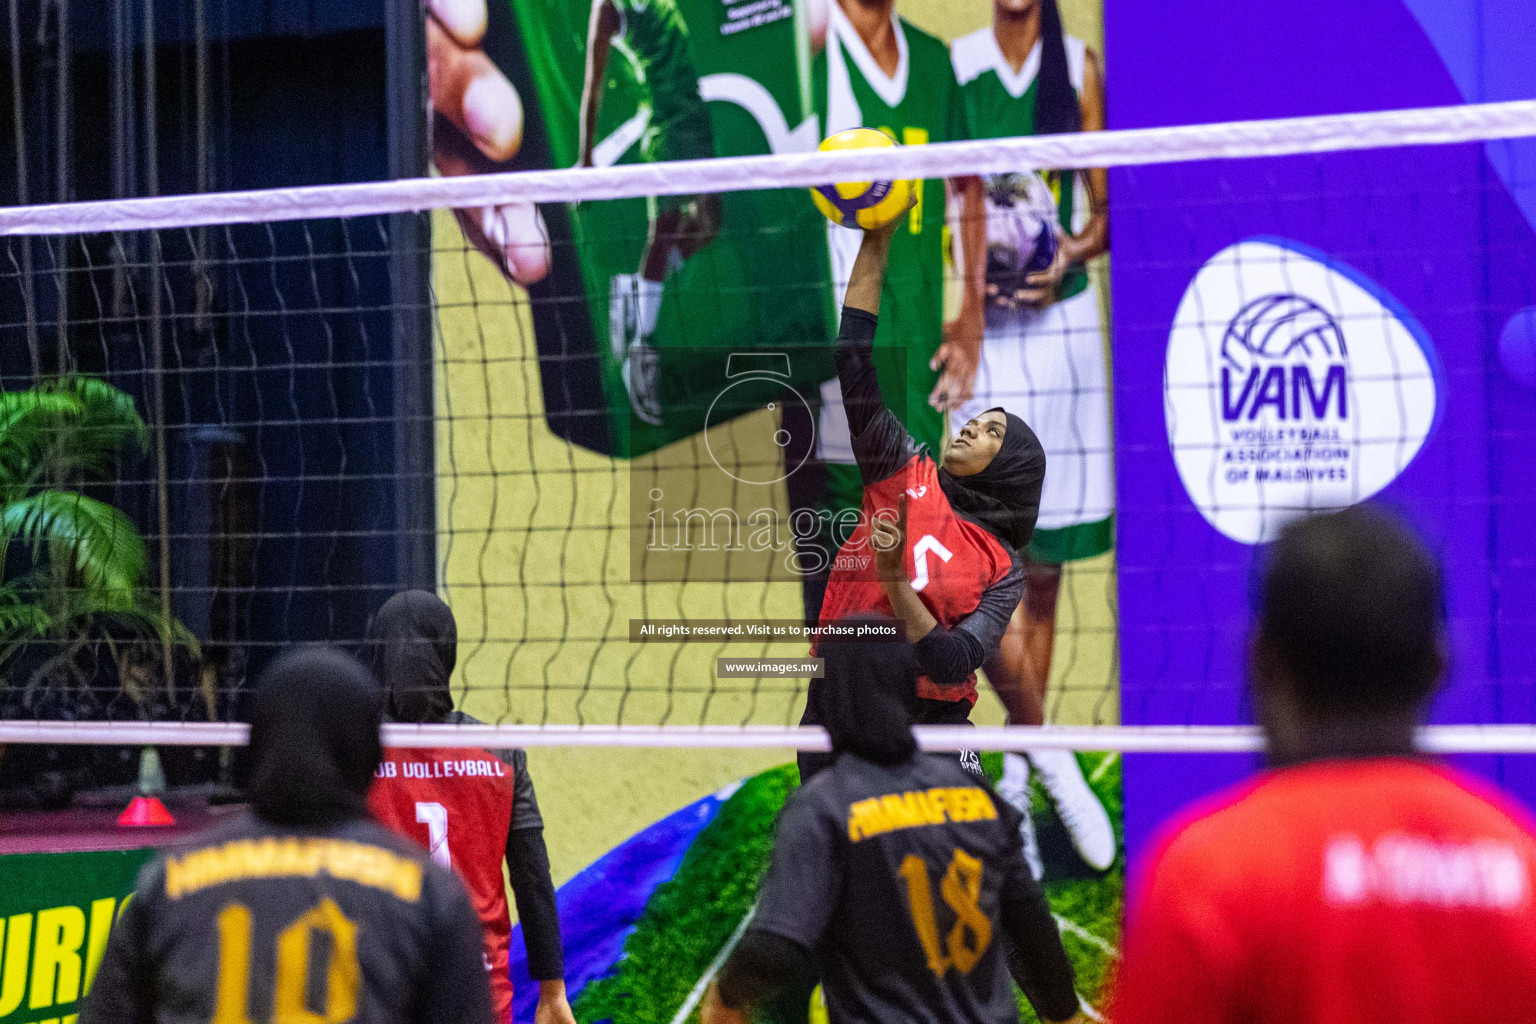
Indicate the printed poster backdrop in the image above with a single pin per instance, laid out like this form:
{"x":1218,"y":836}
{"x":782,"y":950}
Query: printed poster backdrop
{"x":564,"y":373}
{"x":57,"y":910}
{"x":1317,"y":331}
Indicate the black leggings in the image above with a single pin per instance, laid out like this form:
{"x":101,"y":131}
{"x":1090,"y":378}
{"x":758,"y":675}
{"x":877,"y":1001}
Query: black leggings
{"x":925,"y":712}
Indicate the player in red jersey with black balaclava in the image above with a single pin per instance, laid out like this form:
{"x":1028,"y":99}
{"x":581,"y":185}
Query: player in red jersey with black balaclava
{"x":936,"y":545}
{"x":472,"y":809}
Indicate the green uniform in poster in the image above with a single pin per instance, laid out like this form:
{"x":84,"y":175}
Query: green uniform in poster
{"x":654,"y":38}
{"x":1047,"y":365}
{"x":678,"y":80}
{"x":996,"y":109}
{"x":919,"y":104}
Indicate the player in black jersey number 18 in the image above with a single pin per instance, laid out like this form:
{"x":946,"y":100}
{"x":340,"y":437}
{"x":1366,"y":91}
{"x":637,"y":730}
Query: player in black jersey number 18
{"x":901,"y":873}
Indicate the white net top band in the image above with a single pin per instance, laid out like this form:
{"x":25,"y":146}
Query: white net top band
{"x":1231,"y":140}
{"x":1445,"y":739}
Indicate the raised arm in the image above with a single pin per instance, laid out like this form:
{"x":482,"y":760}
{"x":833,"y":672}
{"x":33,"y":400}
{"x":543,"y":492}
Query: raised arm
{"x":881,"y":445}
{"x":868,"y":275}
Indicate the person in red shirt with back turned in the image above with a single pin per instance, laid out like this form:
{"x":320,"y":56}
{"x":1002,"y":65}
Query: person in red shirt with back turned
{"x":472,"y":809}
{"x":1356,"y":880}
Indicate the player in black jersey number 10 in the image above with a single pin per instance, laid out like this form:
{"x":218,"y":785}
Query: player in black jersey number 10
{"x":901,"y":873}
{"x":300,"y":909}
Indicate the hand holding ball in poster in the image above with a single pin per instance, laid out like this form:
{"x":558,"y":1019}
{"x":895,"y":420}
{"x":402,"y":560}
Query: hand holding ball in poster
{"x":869,"y":205}
{"x":1022,"y":238}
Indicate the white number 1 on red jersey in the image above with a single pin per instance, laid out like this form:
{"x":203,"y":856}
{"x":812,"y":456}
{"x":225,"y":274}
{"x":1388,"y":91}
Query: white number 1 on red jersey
{"x":435,"y":817}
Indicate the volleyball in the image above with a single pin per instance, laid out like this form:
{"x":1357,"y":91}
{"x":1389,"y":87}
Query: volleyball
{"x":862,"y":204}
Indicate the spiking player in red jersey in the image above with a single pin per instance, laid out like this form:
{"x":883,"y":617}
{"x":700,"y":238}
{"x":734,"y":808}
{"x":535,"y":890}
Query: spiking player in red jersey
{"x":936,"y":545}
{"x":1356,"y":880}
{"x":472,"y":809}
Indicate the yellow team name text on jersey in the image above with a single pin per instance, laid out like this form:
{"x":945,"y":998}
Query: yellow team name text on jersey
{"x":281,"y":858}
{"x":491,"y":769}
{"x":916,"y":808}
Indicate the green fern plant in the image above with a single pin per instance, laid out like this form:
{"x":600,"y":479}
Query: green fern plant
{"x":88,"y":562}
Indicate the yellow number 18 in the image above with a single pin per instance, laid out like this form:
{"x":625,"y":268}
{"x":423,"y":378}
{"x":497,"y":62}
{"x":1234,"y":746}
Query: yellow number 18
{"x":961,"y":889}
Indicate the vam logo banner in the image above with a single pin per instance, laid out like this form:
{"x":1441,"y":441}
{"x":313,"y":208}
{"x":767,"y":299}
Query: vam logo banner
{"x":1293,"y":383}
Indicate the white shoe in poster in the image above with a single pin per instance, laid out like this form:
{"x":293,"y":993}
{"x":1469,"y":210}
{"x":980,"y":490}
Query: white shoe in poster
{"x":633,"y":305}
{"x":642,"y":372}
{"x":623,"y":314}
{"x":1014,"y":788}
{"x":1078,"y":807}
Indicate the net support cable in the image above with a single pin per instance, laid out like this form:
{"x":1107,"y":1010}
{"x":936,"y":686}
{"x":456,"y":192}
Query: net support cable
{"x":1475,"y":122}
{"x":1440,"y":739}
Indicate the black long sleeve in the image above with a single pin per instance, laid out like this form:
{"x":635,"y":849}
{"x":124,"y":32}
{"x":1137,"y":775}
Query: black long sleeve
{"x":1036,"y":958}
{"x":949,"y":655}
{"x":881,"y":445}
{"x":761,"y":964}
{"x":534,"y":892}
{"x":533,"y":889}
{"x":453,"y":987}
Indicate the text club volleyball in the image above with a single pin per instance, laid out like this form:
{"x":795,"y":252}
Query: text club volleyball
{"x":862,"y":204}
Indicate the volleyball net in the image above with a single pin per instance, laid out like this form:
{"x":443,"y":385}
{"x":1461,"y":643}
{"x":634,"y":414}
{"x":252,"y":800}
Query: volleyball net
{"x":593,"y":410}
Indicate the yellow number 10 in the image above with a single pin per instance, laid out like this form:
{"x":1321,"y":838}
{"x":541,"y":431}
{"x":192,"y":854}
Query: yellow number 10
{"x":961,"y":889}
{"x":232,"y":998}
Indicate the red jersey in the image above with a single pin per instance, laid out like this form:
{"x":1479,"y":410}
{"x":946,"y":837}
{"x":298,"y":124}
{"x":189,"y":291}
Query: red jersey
{"x":950,"y":561}
{"x":1339,"y":892}
{"x":458,"y":803}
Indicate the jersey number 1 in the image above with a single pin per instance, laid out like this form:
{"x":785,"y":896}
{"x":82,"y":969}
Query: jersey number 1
{"x":961,"y":889}
{"x":435,"y":817}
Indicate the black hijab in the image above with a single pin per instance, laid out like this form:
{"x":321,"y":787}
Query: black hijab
{"x":414,"y":642}
{"x":868,"y":694}
{"x":1004,"y":498}
{"x":314,"y":738}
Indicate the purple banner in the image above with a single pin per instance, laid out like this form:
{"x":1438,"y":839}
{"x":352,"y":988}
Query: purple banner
{"x":1310,"y":331}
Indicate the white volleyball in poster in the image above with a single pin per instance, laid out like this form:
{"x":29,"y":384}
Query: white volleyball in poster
{"x":1293,"y":383}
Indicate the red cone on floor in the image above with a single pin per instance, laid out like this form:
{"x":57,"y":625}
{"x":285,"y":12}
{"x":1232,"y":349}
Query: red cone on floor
{"x":145,"y":810}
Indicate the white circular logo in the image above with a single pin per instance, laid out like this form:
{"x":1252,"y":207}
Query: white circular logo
{"x":1293,"y":383}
